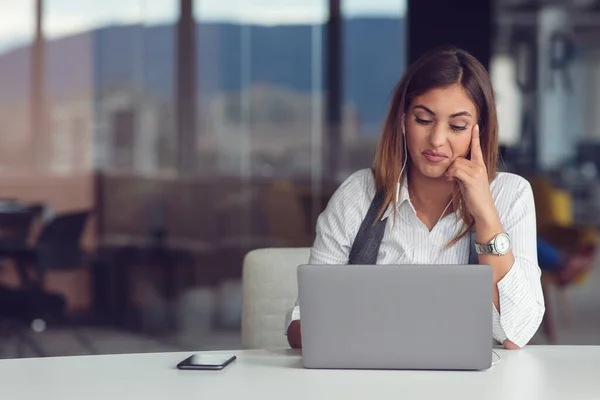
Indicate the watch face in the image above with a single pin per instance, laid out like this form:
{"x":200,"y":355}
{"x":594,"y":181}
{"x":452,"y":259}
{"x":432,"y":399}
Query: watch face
{"x":502,"y":244}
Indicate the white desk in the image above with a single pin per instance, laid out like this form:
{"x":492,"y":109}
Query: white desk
{"x":536,"y":372}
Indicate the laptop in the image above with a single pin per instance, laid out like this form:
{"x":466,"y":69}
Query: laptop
{"x":432,"y":317}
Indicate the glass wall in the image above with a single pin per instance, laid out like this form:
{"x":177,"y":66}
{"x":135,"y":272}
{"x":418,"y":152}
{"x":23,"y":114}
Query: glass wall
{"x":375,"y":51}
{"x":194,"y":132}
{"x":260,"y":127}
{"x":16,"y":32}
{"x":260,"y":86}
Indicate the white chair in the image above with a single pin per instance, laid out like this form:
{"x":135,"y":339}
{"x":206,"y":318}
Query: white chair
{"x":270,"y":289}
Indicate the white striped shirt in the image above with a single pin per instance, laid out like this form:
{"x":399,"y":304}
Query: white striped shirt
{"x":408,"y":241}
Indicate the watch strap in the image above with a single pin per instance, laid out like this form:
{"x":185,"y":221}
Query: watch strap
{"x":485,"y":248}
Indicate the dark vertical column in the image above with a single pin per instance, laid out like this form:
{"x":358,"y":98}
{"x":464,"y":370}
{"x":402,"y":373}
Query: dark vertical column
{"x":186,"y":88}
{"x":464,"y":23}
{"x":334,"y":90}
{"x":37,"y":118}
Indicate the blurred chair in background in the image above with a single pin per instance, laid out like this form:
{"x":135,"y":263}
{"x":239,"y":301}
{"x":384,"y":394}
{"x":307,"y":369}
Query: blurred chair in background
{"x":16,"y":225}
{"x":58,"y":247}
{"x":576,"y":245}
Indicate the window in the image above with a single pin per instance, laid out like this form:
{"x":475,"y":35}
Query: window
{"x":16,"y":35}
{"x":260,"y":65}
{"x":374,"y":60}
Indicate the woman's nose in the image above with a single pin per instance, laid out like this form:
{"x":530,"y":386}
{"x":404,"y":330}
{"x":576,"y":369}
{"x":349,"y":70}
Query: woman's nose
{"x":437,"y":137}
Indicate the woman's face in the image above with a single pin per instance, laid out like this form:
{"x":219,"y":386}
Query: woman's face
{"x":438,"y":129}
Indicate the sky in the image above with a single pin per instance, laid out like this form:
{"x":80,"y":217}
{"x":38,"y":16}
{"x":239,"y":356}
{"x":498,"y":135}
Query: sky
{"x":64,"y":17}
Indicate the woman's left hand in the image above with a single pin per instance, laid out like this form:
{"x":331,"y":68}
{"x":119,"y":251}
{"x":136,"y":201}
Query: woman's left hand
{"x":473,"y":180}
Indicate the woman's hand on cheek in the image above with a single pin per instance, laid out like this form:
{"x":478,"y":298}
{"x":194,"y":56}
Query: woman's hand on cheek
{"x":472,"y":179}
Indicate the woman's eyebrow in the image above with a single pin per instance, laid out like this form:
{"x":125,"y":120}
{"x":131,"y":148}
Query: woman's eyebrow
{"x":424,"y":108}
{"x":460,"y":114}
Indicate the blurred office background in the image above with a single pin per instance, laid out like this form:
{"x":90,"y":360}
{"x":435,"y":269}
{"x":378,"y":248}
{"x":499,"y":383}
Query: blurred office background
{"x":147,"y":145}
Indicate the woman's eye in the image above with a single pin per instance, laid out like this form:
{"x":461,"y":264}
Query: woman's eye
{"x":457,"y":128}
{"x":423,"y":121}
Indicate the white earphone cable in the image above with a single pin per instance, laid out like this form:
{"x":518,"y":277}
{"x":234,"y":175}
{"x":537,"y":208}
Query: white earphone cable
{"x":497,"y":360}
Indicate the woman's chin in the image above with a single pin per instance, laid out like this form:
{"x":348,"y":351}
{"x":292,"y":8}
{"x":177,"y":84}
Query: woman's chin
{"x":433,"y":171}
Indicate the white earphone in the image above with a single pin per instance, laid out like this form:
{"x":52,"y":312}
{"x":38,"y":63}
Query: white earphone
{"x":404,"y":144}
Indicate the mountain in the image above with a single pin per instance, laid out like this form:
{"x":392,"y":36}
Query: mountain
{"x":144,"y":56}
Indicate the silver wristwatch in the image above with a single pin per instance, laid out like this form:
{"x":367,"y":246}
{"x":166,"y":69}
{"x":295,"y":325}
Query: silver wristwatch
{"x":499,"y":245}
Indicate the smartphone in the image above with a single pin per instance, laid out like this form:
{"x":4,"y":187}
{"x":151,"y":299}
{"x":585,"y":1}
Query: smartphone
{"x":207,"y":361}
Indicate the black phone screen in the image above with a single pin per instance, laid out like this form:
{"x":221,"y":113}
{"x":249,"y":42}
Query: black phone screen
{"x":206,"y":361}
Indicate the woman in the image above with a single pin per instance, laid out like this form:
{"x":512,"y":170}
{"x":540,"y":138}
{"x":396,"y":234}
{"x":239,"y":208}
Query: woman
{"x":436,"y":166}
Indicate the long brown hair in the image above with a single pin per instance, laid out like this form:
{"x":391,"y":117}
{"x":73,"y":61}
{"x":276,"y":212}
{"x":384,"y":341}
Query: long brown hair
{"x":438,"y":68}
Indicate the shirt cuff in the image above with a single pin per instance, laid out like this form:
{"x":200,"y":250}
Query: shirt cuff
{"x":520,"y":312}
{"x":291,"y":316}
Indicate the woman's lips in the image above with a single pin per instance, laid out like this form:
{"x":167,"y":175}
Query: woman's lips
{"x":434,"y":156}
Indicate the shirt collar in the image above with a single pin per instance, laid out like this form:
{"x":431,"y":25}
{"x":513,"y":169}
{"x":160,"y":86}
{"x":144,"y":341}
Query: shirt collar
{"x":402,"y":196}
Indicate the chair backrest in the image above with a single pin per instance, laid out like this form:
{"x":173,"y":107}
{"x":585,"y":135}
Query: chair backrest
{"x":15,"y":226}
{"x":270,"y":289}
{"x":553,"y":206}
{"x":36,"y":209}
{"x":59,"y":243}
